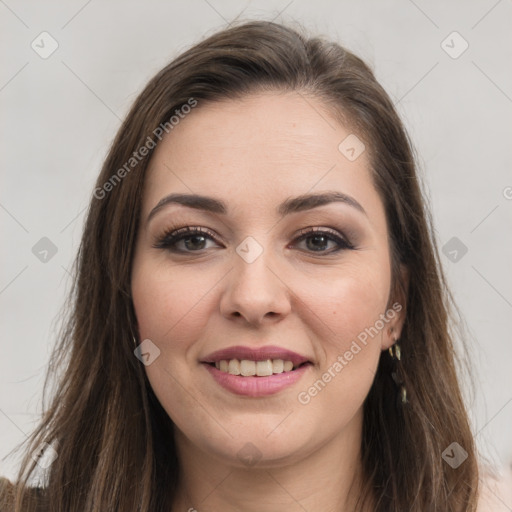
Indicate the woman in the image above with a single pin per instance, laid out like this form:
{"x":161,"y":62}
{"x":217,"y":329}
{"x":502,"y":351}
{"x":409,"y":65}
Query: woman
{"x":260,"y":319}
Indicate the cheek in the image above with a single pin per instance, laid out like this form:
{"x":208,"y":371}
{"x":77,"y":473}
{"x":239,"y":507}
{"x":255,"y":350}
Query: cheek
{"x":349,"y":328}
{"x":350,"y":336}
{"x":350,"y":302}
{"x":168,"y":302}
{"x":170,"y":311}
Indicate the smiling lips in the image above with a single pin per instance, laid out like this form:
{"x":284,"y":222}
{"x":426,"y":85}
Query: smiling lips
{"x":263,"y":361}
{"x":255,"y":372}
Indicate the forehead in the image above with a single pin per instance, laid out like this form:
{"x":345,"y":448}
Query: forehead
{"x":257,"y":149}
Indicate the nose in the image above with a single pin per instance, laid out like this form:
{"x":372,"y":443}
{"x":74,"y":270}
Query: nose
{"x":255,"y":292}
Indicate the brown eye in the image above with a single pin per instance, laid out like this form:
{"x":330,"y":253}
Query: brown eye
{"x":317,"y":241}
{"x":192,"y":240}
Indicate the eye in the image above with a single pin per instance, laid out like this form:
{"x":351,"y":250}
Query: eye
{"x":320,"y":237}
{"x":195,"y":238}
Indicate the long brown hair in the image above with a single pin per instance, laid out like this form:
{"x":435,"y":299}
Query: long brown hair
{"x":114,"y":440}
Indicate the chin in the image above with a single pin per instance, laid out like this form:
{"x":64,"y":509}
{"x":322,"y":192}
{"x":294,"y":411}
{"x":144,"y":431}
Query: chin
{"x":257,"y":447}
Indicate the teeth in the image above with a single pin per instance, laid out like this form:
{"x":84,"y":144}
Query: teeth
{"x":264,"y":368}
{"x":248,"y":368}
{"x":277,"y":366}
{"x":234,"y":367}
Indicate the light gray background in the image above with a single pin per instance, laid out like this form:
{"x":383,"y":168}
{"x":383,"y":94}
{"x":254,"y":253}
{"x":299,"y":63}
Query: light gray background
{"x":60,"y":114}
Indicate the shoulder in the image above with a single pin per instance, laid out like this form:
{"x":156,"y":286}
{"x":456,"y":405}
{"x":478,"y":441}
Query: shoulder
{"x":8,"y":492}
{"x":495,"y":491}
{"x":6,"y":495}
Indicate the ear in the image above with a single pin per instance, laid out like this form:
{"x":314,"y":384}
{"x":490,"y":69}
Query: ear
{"x":397,"y":308}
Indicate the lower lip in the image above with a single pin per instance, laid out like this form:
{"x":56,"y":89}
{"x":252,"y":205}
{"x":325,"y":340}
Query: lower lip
{"x":257,"y":386}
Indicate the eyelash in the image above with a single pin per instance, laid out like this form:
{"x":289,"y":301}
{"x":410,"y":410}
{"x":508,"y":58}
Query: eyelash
{"x":171,"y":237}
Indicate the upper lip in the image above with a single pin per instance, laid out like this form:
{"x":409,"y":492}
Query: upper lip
{"x":255,"y":354}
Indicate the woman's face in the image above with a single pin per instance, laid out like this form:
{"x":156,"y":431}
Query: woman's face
{"x":257,"y":277}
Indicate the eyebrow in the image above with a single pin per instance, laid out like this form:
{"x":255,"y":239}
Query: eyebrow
{"x":291,"y":205}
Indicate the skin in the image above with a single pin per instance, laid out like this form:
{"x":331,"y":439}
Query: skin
{"x":253,"y":154}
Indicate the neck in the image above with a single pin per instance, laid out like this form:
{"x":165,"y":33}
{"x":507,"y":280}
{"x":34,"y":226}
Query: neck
{"x":327,"y":479}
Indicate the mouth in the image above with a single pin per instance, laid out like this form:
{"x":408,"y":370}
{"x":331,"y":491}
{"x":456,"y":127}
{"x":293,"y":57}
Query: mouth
{"x":256,"y":373}
{"x":251,"y":368}
{"x":256,"y":362}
